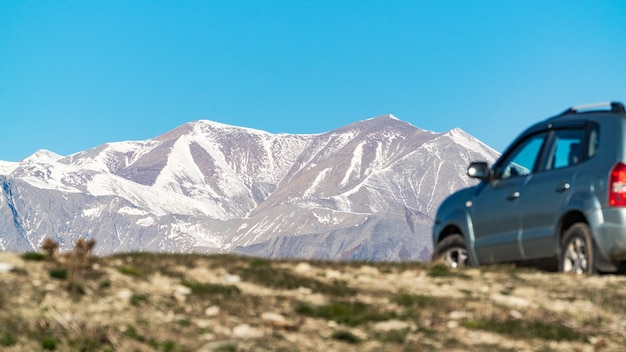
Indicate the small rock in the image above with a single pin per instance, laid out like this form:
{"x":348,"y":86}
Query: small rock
{"x":598,"y":344}
{"x":333,"y":274}
{"x":203,"y":324}
{"x":181,"y":293}
{"x":391,"y":325}
{"x":5,"y":267}
{"x":510,"y":300}
{"x":452,"y":324}
{"x":124,"y":294}
{"x":304,"y":290}
{"x":302,"y":268}
{"x":516,"y":314}
{"x":369,"y":270}
{"x":245,"y":331}
{"x":232,"y":279}
{"x":219,"y":346}
{"x":182,"y":290}
{"x":273,"y":317}
{"x":212,"y":311}
{"x":278,"y":321}
{"x":457,"y":315}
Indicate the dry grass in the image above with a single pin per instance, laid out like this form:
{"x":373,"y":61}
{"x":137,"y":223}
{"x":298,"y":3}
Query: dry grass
{"x":166,"y":302}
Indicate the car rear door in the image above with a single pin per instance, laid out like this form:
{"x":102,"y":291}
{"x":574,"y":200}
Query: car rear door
{"x":547,"y":191}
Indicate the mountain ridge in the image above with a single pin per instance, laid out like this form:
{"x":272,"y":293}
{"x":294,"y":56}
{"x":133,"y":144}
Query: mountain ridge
{"x":210,"y":187}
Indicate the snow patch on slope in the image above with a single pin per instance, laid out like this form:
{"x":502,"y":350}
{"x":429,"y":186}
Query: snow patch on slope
{"x":131,"y":211}
{"x":315,"y":185}
{"x":7,"y":167}
{"x":147,"y":221}
{"x":92,"y":212}
{"x":355,"y":164}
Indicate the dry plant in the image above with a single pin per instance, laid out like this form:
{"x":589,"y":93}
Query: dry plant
{"x":77,"y":262}
{"x":51,"y":248}
{"x":79,"y":257}
{"x":72,"y":264}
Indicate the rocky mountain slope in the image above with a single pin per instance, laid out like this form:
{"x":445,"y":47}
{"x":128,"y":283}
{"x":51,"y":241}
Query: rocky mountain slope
{"x":368,"y":190}
{"x":164,"y":302}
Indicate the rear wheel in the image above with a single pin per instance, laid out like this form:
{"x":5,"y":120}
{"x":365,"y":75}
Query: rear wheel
{"x":577,"y":251}
{"x":451,"y":251}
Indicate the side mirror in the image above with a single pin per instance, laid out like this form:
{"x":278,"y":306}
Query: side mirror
{"x":478,"y":170}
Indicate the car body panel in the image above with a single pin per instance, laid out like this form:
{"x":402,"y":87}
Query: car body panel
{"x":544,"y":193}
{"x":457,"y":220}
{"x":496,"y":223}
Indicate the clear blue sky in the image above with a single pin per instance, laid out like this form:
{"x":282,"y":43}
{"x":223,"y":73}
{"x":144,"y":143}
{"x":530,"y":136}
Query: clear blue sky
{"x":77,"y":74}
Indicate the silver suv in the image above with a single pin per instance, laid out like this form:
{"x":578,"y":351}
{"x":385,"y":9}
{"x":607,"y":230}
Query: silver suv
{"x":557,"y":195}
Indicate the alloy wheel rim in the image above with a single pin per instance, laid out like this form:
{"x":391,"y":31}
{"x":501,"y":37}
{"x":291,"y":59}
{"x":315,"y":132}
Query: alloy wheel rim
{"x":456,"y":257}
{"x":576,"y":257}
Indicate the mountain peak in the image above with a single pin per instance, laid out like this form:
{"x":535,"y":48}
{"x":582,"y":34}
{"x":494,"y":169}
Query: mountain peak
{"x":199,"y":127}
{"x":388,"y":116}
{"x":381,"y":122}
{"x":463,"y":138}
{"x":383,"y":118}
{"x":43,"y":155}
{"x":457,"y":131}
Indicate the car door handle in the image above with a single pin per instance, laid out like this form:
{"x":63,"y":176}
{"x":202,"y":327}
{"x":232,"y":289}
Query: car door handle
{"x":513,"y":195}
{"x":563,"y":186}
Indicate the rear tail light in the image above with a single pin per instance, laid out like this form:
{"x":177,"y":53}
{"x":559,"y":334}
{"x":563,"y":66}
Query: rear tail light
{"x":617,"y":186}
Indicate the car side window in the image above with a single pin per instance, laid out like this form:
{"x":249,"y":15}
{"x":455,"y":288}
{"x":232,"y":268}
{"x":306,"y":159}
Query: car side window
{"x":523,"y":160}
{"x":566,"y":148}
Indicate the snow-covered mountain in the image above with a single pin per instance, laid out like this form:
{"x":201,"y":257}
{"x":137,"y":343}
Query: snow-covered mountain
{"x":368,"y":190}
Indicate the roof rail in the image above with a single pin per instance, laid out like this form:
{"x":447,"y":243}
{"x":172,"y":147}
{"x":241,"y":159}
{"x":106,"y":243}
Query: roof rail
{"x":615,"y":106}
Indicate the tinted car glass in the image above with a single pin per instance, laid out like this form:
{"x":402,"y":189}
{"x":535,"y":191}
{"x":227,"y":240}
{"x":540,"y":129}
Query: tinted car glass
{"x":567,"y":150}
{"x":523,"y":159}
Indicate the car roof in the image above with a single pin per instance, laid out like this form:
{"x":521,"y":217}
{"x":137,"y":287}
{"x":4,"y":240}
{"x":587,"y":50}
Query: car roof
{"x":574,"y":117}
{"x":578,"y":114}
{"x":613,"y":108}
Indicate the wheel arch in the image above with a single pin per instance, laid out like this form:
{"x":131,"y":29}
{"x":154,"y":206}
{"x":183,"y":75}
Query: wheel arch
{"x":449,"y":230}
{"x":576,"y":216}
{"x":458,"y":223}
{"x":567,"y":220}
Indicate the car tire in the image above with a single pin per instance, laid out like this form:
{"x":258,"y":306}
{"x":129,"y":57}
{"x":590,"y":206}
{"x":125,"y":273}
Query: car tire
{"x":577,"y":251}
{"x":451,"y":251}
